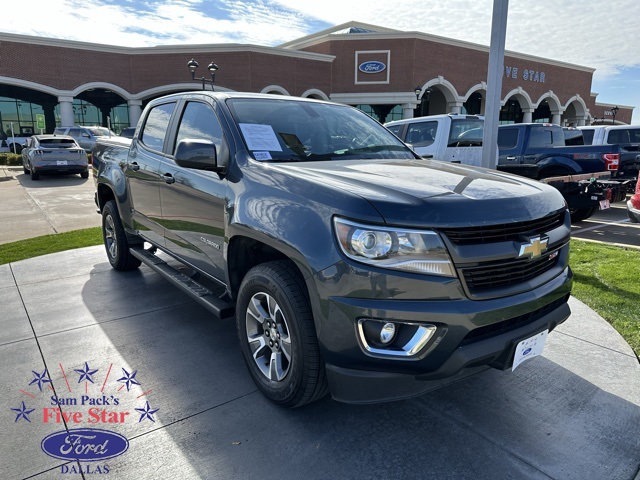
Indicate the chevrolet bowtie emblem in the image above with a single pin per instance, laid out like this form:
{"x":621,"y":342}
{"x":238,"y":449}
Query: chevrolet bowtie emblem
{"x":534,"y":248}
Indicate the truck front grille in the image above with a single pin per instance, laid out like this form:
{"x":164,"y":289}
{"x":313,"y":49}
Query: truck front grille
{"x":503,"y":232}
{"x":492,"y":275}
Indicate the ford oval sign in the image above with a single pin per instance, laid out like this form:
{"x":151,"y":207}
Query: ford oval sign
{"x":372,"y":67}
{"x":84,"y":444}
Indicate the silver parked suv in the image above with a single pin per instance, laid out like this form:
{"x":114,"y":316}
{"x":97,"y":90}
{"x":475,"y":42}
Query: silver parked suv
{"x":85,"y":136}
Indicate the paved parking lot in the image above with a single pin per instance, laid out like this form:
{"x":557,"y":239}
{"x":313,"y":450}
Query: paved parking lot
{"x":610,"y":226}
{"x":52,"y":204}
{"x":570,"y":414}
{"x":193,"y":412}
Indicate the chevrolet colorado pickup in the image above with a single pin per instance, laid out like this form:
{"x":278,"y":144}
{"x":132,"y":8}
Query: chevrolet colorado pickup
{"x":352,"y":265}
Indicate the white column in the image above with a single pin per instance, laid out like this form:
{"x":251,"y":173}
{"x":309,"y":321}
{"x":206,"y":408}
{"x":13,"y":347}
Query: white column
{"x":582,"y":121}
{"x":454,"y":107}
{"x":66,"y":111}
{"x":555,"y":118}
{"x":407,"y":110}
{"x":528,"y":115}
{"x":135,"y":110}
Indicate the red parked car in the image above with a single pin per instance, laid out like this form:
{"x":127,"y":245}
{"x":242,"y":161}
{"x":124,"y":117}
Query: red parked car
{"x":633,"y":204}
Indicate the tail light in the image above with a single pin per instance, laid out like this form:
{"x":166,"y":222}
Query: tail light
{"x":611,"y":161}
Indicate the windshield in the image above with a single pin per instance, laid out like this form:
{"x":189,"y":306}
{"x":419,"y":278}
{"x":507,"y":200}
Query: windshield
{"x":101,"y":131}
{"x":290,"y":130}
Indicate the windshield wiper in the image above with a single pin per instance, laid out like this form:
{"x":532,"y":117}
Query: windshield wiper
{"x":372,"y":149}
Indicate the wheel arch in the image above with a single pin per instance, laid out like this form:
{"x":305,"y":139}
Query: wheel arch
{"x":244,"y":253}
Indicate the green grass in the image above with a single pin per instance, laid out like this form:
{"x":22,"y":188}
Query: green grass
{"x":606,"y":278}
{"x":57,"y":242}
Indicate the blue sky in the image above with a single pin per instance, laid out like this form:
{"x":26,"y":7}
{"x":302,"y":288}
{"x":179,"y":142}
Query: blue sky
{"x":601,"y":34}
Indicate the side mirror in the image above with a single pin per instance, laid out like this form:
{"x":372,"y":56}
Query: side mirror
{"x":197,"y":154}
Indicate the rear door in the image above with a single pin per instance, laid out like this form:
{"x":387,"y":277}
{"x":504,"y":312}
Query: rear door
{"x":143,"y":172}
{"x":193,"y":201}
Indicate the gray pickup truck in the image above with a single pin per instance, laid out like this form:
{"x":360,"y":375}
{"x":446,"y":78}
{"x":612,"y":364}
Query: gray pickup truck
{"x":352,"y":265}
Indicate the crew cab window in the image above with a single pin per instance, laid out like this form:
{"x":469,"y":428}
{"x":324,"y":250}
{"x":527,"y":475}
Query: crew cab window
{"x":622,"y":136}
{"x":200,"y":121}
{"x":155,"y":128}
{"x":546,"y":137}
{"x":507,"y":138}
{"x":587,"y":136}
{"x":466,"y":133}
{"x":395,"y":129}
{"x":421,"y":134}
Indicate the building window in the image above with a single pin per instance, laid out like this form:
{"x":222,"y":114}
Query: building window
{"x":382,"y":113}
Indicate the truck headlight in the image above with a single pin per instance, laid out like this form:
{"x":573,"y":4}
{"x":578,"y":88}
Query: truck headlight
{"x":417,"y":251}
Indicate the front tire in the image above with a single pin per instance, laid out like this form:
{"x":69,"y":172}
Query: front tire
{"x":277,"y":335}
{"x":115,"y":239}
{"x":84,"y":175}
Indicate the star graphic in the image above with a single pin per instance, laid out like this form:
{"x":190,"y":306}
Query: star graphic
{"x":23,"y":412}
{"x":86,"y":373}
{"x":39,"y":378}
{"x":146,"y":412}
{"x":128,"y":379}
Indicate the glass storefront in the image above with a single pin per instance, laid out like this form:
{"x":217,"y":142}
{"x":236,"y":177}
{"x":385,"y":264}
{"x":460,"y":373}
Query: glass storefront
{"x":19,"y":113}
{"x":22,"y":115}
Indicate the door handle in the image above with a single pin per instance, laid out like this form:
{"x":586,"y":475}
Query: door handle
{"x":510,"y":158}
{"x":168,"y":178}
{"x":134,"y":166}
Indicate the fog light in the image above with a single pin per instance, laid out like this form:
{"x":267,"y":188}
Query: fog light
{"x":387,"y":333}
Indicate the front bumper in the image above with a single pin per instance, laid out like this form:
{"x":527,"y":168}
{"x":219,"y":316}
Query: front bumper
{"x":363,"y":386}
{"x":471,"y":335}
{"x":634,"y":213}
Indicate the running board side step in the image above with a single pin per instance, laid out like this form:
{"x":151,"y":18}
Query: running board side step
{"x":201,"y":294}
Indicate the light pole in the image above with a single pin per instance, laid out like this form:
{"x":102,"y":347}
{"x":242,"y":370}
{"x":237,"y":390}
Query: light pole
{"x":192,"y":64}
{"x":614,"y":112}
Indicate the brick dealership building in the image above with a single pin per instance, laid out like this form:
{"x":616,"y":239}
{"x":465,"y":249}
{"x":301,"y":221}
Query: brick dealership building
{"x":388,"y":73}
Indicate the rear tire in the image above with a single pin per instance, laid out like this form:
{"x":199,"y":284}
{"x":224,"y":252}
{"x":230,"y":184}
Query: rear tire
{"x":580,"y":214}
{"x":278,"y":337}
{"x":34,"y":176}
{"x":115,"y":239}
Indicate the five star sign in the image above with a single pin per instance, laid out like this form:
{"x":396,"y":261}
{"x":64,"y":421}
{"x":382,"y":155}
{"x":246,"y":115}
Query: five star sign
{"x":146,"y":412}
{"x":40,"y":378}
{"x":128,"y":379}
{"x":85,"y":374}
{"x":24,"y":413}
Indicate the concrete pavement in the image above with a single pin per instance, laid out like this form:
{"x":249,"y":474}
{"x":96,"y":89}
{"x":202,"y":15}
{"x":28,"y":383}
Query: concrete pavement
{"x":52,"y":204}
{"x":571,"y":414}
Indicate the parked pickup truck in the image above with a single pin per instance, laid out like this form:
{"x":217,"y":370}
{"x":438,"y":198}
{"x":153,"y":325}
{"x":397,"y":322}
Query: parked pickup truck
{"x":538,"y":150}
{"x":627,"y":137}
{"x":450,"y":138}
{"x":352,"y":265}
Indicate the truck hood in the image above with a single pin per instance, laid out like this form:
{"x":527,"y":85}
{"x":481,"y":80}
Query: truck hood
{"x":430,"y":192}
